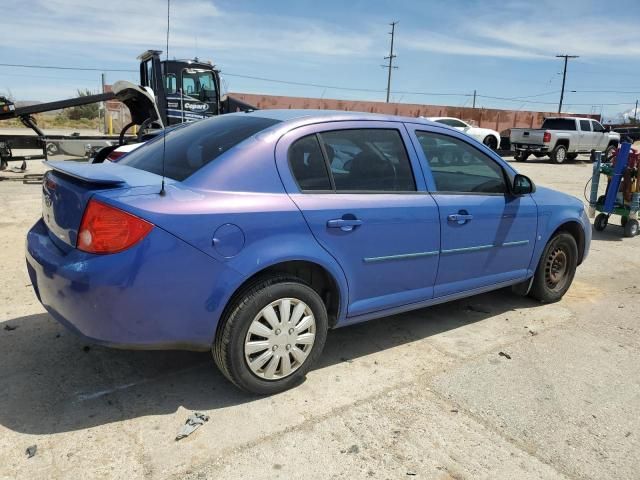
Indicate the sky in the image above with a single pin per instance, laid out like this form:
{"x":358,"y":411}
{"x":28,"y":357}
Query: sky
{"x":504,"y":50}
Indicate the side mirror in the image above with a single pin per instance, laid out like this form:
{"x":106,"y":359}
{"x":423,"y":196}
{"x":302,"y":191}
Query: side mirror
{"x":522,"y":185}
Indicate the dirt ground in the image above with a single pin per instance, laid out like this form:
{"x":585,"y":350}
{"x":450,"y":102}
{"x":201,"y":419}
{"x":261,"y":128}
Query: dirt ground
{"x":490,"y":387}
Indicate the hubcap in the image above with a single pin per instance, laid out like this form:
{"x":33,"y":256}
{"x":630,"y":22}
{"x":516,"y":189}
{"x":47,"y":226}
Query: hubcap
{"x":556,"y":268}
{"x":561,"y":155}
{"x":280,"y":338}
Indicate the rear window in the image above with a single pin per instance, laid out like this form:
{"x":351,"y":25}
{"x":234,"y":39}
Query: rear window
{"x":190,"y":148}
{"x":559,"y":124}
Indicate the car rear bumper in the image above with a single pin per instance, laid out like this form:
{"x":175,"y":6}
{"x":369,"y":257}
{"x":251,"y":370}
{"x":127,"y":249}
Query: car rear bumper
{"x":529,"y":148}
{"x":160,"y":294}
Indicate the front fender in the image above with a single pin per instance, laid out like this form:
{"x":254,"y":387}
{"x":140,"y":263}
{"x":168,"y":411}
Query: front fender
{"x":552,"y":218}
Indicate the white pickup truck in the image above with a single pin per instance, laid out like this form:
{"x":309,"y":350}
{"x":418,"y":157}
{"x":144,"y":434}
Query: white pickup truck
{"x":562,"y":138}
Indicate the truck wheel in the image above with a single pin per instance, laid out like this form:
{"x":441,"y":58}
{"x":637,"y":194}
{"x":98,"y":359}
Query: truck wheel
{"x":556,"y":269}
{"x":271,"y":336}
{"x":631,"y":228}
{"x":559,"y":154}
{"x":608,"y":153}
{"x":521,"y":156}
{"x":491,"y":142}
{"x":601,"y":221}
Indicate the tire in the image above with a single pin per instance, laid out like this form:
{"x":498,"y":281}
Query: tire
{"x":269,"y":376}
{"x":600,"y":222}
{"x":608,"y":153}
{"x":559,"y":154}
{"x":631,"y":228}
{"x":572,"y":156}
{"x":491,"y":142}
{"x":556,"y":269}
{"x":521,"y":156}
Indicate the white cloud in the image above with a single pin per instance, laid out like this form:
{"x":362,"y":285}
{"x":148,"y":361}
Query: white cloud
{"x":518,"y":31}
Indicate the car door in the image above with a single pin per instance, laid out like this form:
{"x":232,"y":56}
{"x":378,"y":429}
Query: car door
{"x":487,"y":235}
{"x":363,"y":196}
{"x":586,"y":136}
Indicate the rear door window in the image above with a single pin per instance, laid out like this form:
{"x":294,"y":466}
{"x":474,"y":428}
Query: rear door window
{"x":585,"y":126}
{"x":368,"y":159}
{"x":190,"y":148}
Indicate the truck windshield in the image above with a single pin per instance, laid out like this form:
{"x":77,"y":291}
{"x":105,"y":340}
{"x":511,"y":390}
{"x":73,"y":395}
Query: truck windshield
{"x":190,"y":148}
{"x":559,"y":124}
{"x":198,"y":83}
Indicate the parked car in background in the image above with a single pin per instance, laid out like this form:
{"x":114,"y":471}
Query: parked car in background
{"x":563,"y":138}
{"x":489,"y":137}
{"x":273,"y":226}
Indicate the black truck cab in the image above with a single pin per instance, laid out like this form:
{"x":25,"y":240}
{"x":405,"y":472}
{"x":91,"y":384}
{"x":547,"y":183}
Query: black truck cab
{"x":185,"y":90}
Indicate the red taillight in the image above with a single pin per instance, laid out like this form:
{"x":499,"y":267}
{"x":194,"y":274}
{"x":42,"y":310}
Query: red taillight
{"x":106,"y":229}
{"x":115,"y":156}
{"x":546,"y":138}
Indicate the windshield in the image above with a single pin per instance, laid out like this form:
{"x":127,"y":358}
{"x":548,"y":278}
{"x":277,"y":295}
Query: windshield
{"x":198,"y":83}
{"x":190,"y":148}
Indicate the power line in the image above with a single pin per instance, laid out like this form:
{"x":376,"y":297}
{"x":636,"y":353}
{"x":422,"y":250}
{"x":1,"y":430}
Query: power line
{"x":519,"y":99}
{"x":55,"y":67}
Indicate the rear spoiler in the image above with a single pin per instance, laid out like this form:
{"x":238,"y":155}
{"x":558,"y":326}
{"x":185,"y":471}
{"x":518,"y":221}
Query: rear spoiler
{"x":86,"y":172}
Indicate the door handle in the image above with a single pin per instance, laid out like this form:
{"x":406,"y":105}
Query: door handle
{"x":460,"y":218}
{"x":344,"y":224}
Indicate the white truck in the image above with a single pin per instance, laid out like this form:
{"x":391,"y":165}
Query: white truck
{"x":563,"y":138}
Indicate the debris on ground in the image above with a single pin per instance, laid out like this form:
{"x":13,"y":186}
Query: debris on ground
{"x":31,"y":451}
{"x":473,"y":308}
{"x":505,"y":355}
{"x":9,"y":328}
{"x":354,"y":449}
{"x":195,"y":420}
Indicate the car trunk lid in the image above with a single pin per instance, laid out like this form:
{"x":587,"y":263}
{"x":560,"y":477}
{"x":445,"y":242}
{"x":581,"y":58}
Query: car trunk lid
{"x":68,"y":187}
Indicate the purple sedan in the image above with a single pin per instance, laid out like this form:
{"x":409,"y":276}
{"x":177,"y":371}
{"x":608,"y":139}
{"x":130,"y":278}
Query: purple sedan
{"x":274,"y":226}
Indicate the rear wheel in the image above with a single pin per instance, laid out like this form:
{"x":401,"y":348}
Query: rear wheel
{"x":491,"y":142}
{"x":273,"y":334}
{"x":631,"y":228}
{"x":556,"y":269}
{"x":559,"y":154}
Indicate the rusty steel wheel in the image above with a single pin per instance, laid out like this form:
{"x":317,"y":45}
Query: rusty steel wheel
{"x":556,"y":268}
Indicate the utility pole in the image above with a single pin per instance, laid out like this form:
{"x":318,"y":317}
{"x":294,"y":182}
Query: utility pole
{"x":103,"y":107}
{"x":564,"y":76}
{"x":390,"y":58}
{"x":635,"y":115}
{"x":474,"y":99}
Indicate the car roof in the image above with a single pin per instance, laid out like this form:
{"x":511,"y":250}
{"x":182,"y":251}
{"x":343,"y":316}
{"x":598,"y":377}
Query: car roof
{"x":304,"y":116}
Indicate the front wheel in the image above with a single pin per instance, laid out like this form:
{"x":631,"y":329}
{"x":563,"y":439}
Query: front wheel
{"x":601,"y":221}
{"x":556,"y":269}
{"x":273,"y":334}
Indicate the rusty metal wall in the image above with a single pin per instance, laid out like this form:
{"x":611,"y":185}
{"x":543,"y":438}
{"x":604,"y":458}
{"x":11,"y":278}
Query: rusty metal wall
{"x":500,"y":120}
